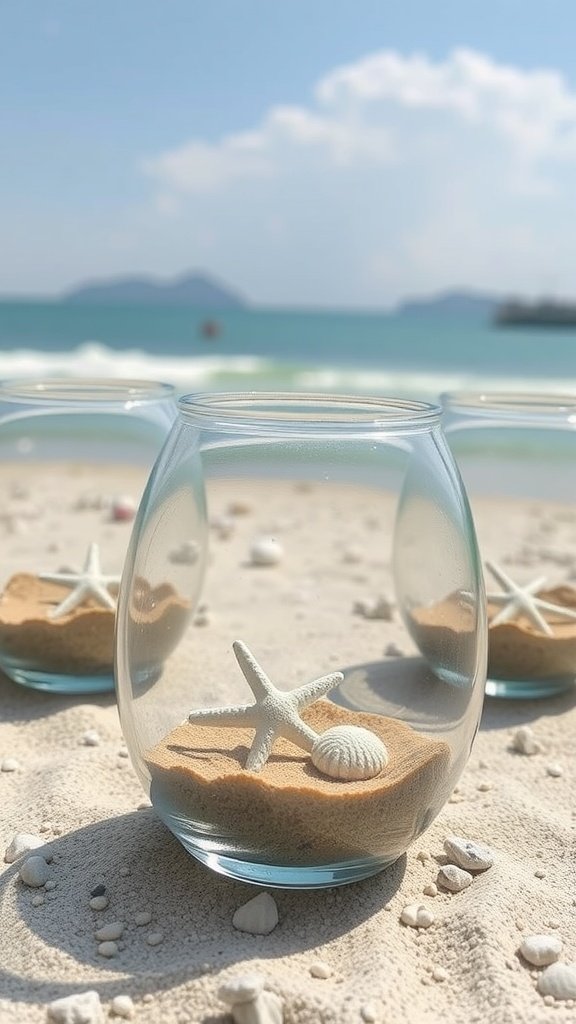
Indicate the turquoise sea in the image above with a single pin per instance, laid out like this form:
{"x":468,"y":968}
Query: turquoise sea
{"x":358,"y":353}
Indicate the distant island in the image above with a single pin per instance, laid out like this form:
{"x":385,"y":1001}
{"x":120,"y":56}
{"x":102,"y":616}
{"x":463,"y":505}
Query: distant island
{"x":450,"y":305}
{"x":193,"y":289}
{"x":543,"y":313}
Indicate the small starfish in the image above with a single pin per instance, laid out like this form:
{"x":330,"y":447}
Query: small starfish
{"x":275,"y":712}
{"x":89,"y":582}
{"x":517,"y":600}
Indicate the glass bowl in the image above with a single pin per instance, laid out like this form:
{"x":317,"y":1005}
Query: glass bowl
{"x":285,"y":549}
{"x":75,"y":455}
{"x":517,"y":452}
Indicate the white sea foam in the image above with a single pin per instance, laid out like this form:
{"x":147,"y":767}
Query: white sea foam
{"x":226,"y":372}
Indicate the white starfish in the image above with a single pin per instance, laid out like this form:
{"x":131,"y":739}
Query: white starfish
{"x":89,"y":582}
{"x":517,"y":600}
{"x":275,"y":712}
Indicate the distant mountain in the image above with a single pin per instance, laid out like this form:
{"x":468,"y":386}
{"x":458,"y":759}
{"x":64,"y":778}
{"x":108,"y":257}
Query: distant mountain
{"x":455,"y":304}
{"x":188,"y":290}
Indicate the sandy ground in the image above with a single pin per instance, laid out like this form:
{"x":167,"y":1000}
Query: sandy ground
{"x":88,"y":803}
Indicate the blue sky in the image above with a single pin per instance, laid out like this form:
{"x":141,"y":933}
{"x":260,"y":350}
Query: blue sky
{"x":309,"y":153}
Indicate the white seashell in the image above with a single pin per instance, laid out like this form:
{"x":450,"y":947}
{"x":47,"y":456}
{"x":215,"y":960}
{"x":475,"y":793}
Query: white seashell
{"x":558,"y":980}
{"x":349,"y":752}
{"x":417,"y":915}
{"x":454,"y":878}
{"x":266,"y":551}
{"x":467,"y":854}
{"x":83,"y":1006}
{"x":241,"y":988}
{"x":541,"y":950}
{"x":525,"y":742}
{"x":258,"y":917}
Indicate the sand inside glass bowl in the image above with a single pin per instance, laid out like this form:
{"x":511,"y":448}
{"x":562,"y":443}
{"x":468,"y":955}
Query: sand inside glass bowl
{"x":81,"y":641}
{"x":289,"y":810}
{"x":516,"y":649}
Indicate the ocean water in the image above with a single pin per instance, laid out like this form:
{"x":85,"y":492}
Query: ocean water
{"x":355,"y":353}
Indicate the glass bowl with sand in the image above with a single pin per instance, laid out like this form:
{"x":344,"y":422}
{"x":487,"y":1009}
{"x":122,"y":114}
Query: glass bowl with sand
{"x":319,"y":592}
{"x":516,"y":452}
{"x":75,"y":455}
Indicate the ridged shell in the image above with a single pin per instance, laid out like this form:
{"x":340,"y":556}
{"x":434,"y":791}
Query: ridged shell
{"x":349,"y":752}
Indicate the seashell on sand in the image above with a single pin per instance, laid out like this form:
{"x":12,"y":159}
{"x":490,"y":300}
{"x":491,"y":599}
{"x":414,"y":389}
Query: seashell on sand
{"x":349,"y":752}
{"x":258,"y":917}
{"x":559,"y":981}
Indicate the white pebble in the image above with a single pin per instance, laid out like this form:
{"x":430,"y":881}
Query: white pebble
{"x":90,"y":738}
{"x":81,"y":1008}
{"x":50,"y":885}
{"x":155,"y":938}
{"x":99,"y":903}
{"x":320,"y":969}
{"x":108,"y":949}
{"x":541,"y":950}
{"x":555,"y":770}
{"x":559,"y":981}
{"x":224,"y":526}
{"x":468,"y":854}
{"x":9,"y":764}
{"x":37,"y":901}
{"x":525,"y":742}
{"x":122,"y":1006}
{"x":34,"y":872}
{"x":241,"y":988}
{"x":417,"y":915}
{"x":431,"y":889}
{"x":187,"y":554}
{"x":142,"y":917}
{"x":375,"y":608}
{"x":20,"y":844}
{"x":392,"y":650}
{"x":440,"y":974}
{"x":368,"y":1013}
{"x":266,"y":551}
{"x":258,"y":917}
{"x":109,"y":932}
{"x":454,"y":878}
{"x":484,"y":787}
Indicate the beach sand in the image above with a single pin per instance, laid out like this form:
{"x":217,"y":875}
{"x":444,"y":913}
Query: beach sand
{"x":88,"y":804}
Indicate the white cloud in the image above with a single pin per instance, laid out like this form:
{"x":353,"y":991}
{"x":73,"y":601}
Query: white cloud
{"x":402,"y":173}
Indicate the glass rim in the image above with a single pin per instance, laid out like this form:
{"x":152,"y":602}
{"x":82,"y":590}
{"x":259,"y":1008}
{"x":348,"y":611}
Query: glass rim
{"x":72,"y":390}
{"x":545,"y":405}
{"x":304,"y":411}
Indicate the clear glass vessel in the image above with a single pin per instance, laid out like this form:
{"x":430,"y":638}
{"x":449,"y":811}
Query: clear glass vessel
{"x":516,"y":452}
{"x":283,"y":538}
{"x":75,"y":455}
